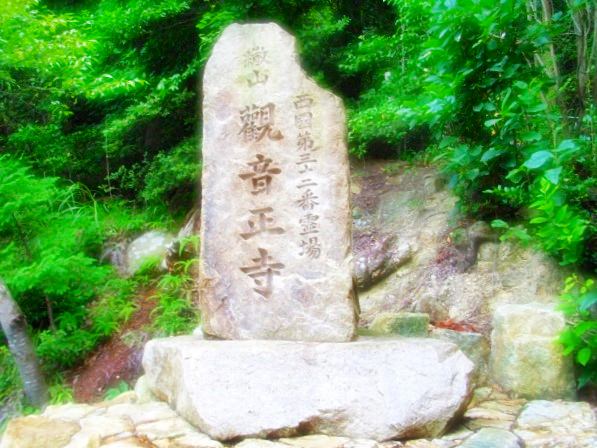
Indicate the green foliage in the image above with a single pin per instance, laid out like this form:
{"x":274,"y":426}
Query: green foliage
{"x":579,"y":303}
{"x":48,"y":239}
{"x":175,"y":312}
{"x":10,"y":382}
{"x":559,"y":227}
{"x":60,"y":393}
{"x":115,"y":391}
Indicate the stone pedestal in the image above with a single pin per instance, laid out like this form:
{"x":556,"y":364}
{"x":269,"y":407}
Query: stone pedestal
{"x":372,"y":388}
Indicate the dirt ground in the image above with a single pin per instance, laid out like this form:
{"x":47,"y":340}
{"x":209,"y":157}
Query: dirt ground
{"x":119,"y":358}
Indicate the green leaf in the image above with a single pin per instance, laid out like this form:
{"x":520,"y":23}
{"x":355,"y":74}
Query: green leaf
{"x":588,"y":300}
{"x":566,"y":145}
{"x":538,"y":220}
{"x":553,"y":175}
{"x":493,"y":121}
{"x":531,"y":136}
{"x":499,"y":224}
{"x":583,"y":356}
{"x":490,"y":154}
{"x":538,"y":159}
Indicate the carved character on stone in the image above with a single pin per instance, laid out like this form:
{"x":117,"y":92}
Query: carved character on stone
{"x":261,"y":224}
{"x":261,"y":174}
{"x":262,"y":272}
{"x":258,"y":122}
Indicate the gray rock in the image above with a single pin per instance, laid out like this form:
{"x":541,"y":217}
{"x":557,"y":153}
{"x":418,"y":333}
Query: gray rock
{"x":276,"y":257}
{"x":144,"y":394}
{"x":473,"y":345}
{"x":114,"y":252}
{"x":557,"y":424}
{"x":376,"y":256}
{"x":371,"y":389}
{"x":492,"y":438}
{"x":149,"y":246}
{"x":526,"y":358}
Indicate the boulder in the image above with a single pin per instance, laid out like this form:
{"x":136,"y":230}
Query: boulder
{"x":28,"y":432}
{"x":377,"y":255}
{"x":375,"y":389}
{"x":473,"y":345}
{"x":149,"y":246}
{"x":526,"y":358}
{"x":492,"y":438}
{"x":557,"y":424}
{"x":276,"y":259}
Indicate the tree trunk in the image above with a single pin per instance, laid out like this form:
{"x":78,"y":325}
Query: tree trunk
{"x":14,"y":326}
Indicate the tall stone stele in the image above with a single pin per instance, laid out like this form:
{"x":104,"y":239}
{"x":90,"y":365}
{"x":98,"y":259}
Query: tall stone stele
{"x":275,"y":227}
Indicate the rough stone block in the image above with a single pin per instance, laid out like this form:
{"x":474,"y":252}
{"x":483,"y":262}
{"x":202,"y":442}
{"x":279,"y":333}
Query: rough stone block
{"x":526,"y":358}
{"x":376,"y":389}
{"x":473,"y":345}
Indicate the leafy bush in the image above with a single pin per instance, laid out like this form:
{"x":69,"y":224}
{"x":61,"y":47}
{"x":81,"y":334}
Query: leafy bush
{"x":176,"y":312}
{"x":579,"y":303}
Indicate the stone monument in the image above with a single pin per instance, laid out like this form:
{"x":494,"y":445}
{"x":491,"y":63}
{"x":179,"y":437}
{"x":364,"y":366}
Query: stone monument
{"x":275,"y":279}
{"x":275,"y":229}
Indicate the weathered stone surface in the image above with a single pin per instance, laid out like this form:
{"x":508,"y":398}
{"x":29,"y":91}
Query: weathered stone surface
{"x":130,"y":442}
{"x":85,"y":439}
{"x":473,"y":345}
{"x":169,"y":428}
{"x":475,"y":418}
{"x":403,"y":324}
{"x":557,"y":424}
{"x":142,"y":413}
{"x":188,"y":441}
{"x":28,"y":432}
{"x":376,"y":256}
{"x":492,"y":438}
{"x":106,"y":426}
{"x":321,"y":441}
{"x":405,"y":202}
{"x":276,"y":257}
{"x":526,"y":358}
{"x":435,"y":443}
{"x":144,"y":395}
{"x":69,"y":411}
{"x":150,"y":245}
{"x":373,"y":389}
{"x":260,"y":443}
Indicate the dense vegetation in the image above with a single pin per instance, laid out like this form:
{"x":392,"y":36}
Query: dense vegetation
{"x":99,"y":124}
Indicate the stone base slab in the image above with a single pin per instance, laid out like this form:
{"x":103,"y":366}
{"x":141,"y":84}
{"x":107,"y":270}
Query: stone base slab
{"x":377,"y":389}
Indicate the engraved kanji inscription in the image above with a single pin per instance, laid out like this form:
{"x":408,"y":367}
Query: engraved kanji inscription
{"x":257,"y":77}
{"x":306,"y":183}
{"x":304,"y":120}
{"x":308,"y":200}
{"x":262,"y":223}
{"x":261,"y":174}
{"x":305,"y":141}
{"x":305,"y":163}
{"x":258,"y":122}
{"x":309,"y":224}
{"x":311,"y":247}
{"x":303,"y":101}
{"x":255,"y":56}
{"x":262,"y":272}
